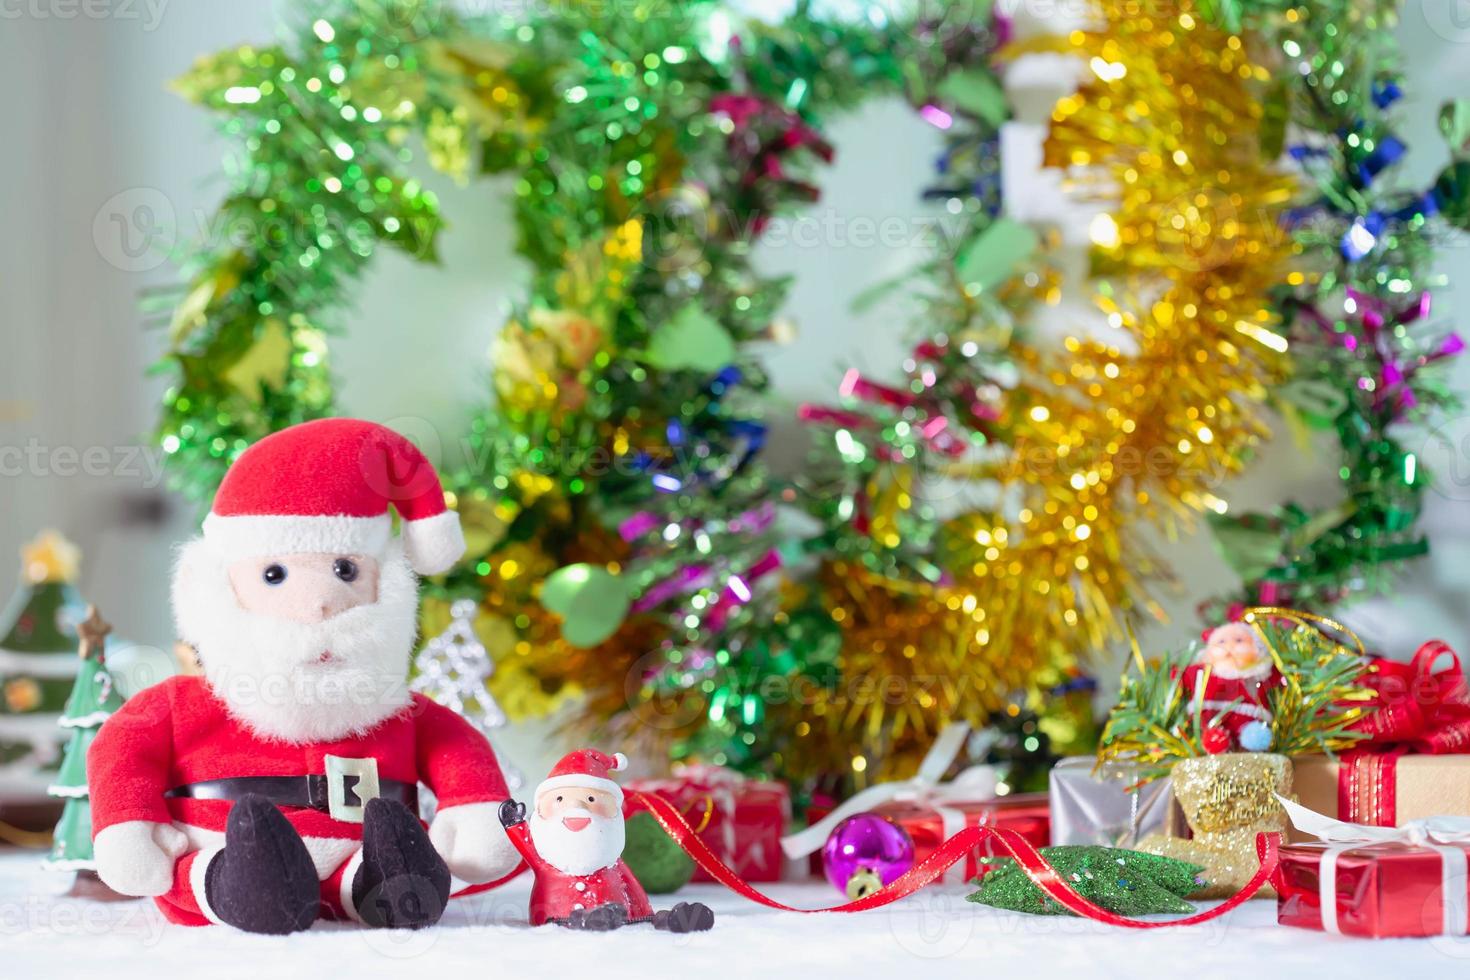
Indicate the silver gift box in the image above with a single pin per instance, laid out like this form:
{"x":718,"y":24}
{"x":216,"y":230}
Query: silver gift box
{"x":1092,"y":804}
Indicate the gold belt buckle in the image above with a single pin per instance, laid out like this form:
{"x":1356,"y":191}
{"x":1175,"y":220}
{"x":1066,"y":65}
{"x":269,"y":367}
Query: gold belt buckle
{"x":364,"y":773}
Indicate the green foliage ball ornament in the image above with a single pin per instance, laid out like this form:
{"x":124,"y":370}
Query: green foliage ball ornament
{"x":659,"y":864}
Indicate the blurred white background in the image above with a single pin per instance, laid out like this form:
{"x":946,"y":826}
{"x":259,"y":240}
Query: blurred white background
{"x":94,"y":136}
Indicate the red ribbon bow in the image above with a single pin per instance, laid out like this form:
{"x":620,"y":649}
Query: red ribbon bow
{"x":1417,"y":707}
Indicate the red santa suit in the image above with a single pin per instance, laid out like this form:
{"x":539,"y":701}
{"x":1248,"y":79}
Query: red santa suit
{"x":557,"y":894}
{"x":179,"y":734}
{"x":1241,"y":697}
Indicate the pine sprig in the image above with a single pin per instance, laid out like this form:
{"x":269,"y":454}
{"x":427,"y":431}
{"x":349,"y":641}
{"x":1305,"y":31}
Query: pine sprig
{"x":1316,"y":704}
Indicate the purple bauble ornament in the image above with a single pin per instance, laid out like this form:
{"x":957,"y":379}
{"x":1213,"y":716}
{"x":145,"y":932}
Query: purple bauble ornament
{"x":866,"y":852}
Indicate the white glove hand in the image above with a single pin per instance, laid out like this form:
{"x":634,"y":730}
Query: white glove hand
{"x":471,"y":841}
{"x":137,"y":857}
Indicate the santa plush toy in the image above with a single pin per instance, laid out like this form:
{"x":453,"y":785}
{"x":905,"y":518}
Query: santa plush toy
{"x":573,"y":843}
{"x":281,"y":785}
{"x":1233,"y":676}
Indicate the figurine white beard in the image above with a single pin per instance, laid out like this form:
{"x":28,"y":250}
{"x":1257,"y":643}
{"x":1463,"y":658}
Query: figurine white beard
{"x":597,"y":845}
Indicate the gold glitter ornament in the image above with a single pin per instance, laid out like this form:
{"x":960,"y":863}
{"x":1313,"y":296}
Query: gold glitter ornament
{"x":1228,"y":799}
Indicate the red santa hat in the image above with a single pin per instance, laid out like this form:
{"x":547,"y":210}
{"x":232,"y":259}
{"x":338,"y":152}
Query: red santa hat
{"x":326,"y":486}
{"x":586,"y":767}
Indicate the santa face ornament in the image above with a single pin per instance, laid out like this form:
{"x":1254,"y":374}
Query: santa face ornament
{"x":579,"y":827}
{"x":1236,"y":650}
{"x":281,"y":785}
{"x":572,"y":840}
{"x":1231,"y":678}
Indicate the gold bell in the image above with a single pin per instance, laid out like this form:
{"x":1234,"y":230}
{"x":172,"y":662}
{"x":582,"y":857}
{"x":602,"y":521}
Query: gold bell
{"x":864,"y":882}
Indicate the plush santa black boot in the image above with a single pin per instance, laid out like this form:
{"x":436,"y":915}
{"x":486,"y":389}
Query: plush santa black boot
{"x":403,"y":883}
{"x":263,"y":881}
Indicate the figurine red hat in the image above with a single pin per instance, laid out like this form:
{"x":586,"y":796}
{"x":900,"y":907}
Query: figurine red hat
{"x":326,"y":486}
{"x":586,"y":767}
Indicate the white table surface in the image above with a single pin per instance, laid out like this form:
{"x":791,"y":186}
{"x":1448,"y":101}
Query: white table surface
{"x":933,"y":934}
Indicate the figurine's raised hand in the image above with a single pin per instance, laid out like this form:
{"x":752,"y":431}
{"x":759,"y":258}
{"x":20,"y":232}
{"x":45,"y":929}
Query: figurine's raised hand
{"x":512,"y":813}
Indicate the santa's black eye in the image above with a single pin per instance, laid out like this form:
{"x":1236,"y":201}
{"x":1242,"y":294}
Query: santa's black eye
{"x":345,"y":569}
{"x":274,"y":574}
{"x":591,"y":799}
{"x":558,"y":799}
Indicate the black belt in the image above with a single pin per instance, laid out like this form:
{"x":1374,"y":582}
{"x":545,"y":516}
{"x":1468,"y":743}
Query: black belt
{"x":305,"y":791}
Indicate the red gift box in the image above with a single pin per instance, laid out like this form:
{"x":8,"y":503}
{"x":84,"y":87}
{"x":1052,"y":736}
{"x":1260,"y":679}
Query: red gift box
{"x":928,"y":826}
{"x":1376,"y":890}
{"x":740,"y":819}
{"x":1362,"y":880}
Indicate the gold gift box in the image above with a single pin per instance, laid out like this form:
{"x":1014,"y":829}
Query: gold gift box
{"x":1421,"y":786}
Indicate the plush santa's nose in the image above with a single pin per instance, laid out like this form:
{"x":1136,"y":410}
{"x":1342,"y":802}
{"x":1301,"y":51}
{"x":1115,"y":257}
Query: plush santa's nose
{"x":576,"y":823}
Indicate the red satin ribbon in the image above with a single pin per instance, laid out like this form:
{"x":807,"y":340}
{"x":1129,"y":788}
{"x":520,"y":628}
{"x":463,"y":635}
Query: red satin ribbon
{"x":931,"y":868}
{"x":1367,"y":787}
{"x":1425,"y":710}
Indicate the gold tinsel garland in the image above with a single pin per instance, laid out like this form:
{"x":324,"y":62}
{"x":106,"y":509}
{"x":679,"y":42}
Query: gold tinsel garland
{"x":1102,"y":433}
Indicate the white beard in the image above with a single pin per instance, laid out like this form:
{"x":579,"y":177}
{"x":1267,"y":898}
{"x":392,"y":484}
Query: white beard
{"x":266,"y":669}
{"x":1258,"y":672}
{"x":578,"y":852}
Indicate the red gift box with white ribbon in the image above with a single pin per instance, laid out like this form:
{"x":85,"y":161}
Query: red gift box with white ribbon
{"x":1378,"y":882}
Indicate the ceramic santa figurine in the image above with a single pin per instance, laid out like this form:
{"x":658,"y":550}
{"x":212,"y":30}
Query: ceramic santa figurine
{"x":573,"y":843}
{"x":1240,"y":675}
{"x":281,"y":784}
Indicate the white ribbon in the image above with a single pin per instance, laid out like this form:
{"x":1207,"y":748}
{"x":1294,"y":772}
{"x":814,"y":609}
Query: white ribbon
{"x":1443,"y":835}
{"x":972,"y":784}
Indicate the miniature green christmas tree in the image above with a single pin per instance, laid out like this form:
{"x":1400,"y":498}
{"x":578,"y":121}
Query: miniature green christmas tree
{"x":1121,"y":881}
{"x":93,"y":699}
{"x":38,"y":665}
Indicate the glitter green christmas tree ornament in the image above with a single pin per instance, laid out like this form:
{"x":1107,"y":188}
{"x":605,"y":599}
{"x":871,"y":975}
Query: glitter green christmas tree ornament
{"x":1121,"y":881}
